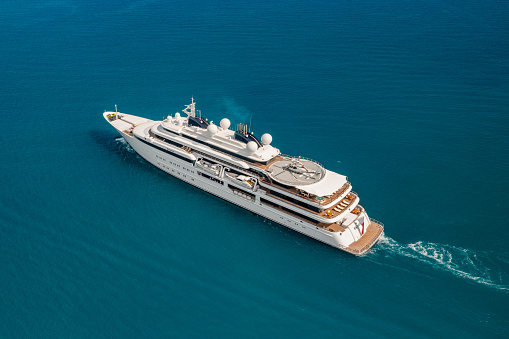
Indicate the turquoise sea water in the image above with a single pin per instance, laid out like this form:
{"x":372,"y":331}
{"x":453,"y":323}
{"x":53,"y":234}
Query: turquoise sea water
{"x":408,"y":99}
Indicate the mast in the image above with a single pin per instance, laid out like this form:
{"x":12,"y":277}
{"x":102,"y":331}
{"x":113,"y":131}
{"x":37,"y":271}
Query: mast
{"x":190,"y":109}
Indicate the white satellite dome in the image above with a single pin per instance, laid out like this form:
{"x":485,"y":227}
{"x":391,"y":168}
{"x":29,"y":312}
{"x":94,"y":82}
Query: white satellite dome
{"x":251,"y":147}
{"x":177,"y":115}
{"x":212,"y":129}
{"x":266,"y":139}
{"x":225,"y":123}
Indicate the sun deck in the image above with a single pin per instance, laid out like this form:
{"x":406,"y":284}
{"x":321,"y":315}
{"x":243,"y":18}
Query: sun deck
{"x":323,"y":201}
{"x":329,"y":213}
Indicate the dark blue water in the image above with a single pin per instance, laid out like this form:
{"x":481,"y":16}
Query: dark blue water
{"x":409,"y":99}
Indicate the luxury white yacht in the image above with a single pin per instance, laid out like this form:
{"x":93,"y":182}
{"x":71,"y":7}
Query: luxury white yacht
{"x":236,"y":166}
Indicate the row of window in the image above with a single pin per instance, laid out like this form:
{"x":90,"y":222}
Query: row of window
{"x":241,"y":190}
{"x":174,"y":163}
{"x":174,"y":171}
{"x":167,"y":151}
{"x":295,"y":201}
{"x":202,"y":142}
{"x":166,"y":140}
{"x":218,"y":148}
{"x":211,"y":178}
{"x":287,"y":210}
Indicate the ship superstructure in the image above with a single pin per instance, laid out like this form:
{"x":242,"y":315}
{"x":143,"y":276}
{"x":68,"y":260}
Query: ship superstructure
{"x":236,"y":166}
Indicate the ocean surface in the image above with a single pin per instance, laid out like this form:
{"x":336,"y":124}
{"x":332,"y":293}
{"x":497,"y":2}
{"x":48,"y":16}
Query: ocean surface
{"x":409,"y":99}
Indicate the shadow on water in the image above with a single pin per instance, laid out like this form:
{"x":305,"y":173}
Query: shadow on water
{"x":483,"y":267}
{"x":106,"y":139}
{"x":112,"y":143}
{"x":114,"y":146}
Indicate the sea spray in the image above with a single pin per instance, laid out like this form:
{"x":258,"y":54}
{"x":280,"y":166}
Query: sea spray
{"x":483,"y":267}
{"x":123,"y":145}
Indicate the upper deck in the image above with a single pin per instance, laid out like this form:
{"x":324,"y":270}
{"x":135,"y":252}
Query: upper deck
{"x":303,"y":177}
{"x":240,"y":143}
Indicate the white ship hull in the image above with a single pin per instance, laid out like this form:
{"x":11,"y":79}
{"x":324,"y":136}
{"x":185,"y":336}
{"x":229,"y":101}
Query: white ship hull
{"x":225,"y":188}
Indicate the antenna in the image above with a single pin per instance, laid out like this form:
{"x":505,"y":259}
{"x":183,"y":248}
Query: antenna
{"x":116,"y":109}
{"x":250,"y":123}
{"x":190,"y":109}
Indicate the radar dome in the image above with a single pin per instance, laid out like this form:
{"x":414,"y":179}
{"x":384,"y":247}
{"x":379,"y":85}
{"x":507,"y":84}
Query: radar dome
{"x":251,"y":147}
{"x":225,"y":123}
{"x":266,"y":139}
{"x":212,"y":129}
{"x":177,"y":115}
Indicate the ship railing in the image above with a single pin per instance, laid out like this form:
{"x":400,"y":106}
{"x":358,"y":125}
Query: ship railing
{"x":221,"y":161}
{"x":377,"y":222}
{"x":349,"y":200}
{"x":355,"y":195}
{"x":303,"y":205}
{"x":294,"y":191}
{"x":338,"y":193}
{"x":325,"y":213}
{"x":295,"y":214}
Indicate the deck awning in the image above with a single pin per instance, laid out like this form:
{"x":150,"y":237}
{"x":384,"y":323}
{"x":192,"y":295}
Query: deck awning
{"x":329,"y":184}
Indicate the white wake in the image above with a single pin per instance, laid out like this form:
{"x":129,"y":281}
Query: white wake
{"x":486,"y":268}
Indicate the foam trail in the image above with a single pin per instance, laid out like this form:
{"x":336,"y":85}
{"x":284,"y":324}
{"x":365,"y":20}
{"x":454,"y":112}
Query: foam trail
{"x":486,"y":268}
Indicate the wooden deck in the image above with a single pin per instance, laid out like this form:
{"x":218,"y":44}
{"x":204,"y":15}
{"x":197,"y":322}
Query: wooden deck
{"x":328,"y":213}
{"x":369,"y":238}
{"x":266,"y":166}
{"x":293,"y":191}
{"x":341,"y":206}
{"x":332,"y":227}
